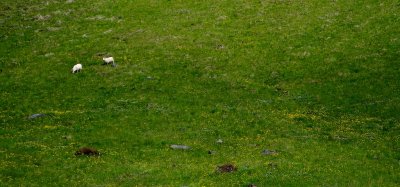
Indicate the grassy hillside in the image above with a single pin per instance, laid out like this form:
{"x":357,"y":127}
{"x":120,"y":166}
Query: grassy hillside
{"x":316,"y":82}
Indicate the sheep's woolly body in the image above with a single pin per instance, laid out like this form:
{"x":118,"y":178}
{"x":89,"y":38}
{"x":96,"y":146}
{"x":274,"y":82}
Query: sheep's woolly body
{"x":108,"y":60}
{"x":77,"y":68}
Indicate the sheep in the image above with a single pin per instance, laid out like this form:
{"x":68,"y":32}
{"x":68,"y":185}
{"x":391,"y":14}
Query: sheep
{"x":109,"y":60}
{"x":77,"y":68}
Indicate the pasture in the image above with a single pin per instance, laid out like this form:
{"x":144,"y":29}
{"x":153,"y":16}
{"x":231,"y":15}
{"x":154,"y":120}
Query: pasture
{"x":276,"y":92}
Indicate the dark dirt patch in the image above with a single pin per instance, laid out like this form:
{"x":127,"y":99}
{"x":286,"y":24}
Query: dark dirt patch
{"x":87,"y":151}
{"x":226,"y":168}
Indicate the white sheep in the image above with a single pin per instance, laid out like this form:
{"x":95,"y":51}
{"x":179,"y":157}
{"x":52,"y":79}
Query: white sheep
{"x":77,"y":68}
{"x":108,"y":60}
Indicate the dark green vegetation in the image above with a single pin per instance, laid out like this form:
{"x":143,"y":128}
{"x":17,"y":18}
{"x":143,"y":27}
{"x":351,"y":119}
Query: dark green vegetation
{"x":316,"y":81}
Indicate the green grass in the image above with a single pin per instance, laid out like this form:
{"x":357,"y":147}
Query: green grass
{"x":317,"y":81}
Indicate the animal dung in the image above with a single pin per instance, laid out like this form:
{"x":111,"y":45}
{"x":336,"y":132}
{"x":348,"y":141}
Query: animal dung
{"x":33,"y":116}
{"x":87,"y":151}
{"x":226,"y":168}
{"x":181,"y":147}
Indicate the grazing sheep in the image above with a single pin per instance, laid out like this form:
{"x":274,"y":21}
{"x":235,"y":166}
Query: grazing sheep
{"x":77,"y":68}
{"x":108,"y":60}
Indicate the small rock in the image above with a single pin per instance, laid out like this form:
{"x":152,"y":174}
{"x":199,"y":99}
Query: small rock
{"x":107,"y":31}
{"x":67,"y":137}
{"x":210,"y":152}
{"x":273,"y":165}
{"x":274,"y":75}
{"x":42,"y":18}
{"x":226,"y":168}
{"x":182,"y":147}
{"x":49,"y":54}
{"x":252,"y":185}
{"x":220,"y":141}
{"x":51,"y":29}
{"x":87,"y":151}
{"x":220,"y":46}
{"x":269,"y":152}
{"x":33,"y":116}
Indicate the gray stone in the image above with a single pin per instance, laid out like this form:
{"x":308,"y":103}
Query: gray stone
{"x":211,"y":152}
{"x":182,"y":147}
{"x":269,"y":152}
{"x":33,"y":116}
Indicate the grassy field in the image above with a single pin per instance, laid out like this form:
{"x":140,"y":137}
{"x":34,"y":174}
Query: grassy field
{"x":318,"y":82}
